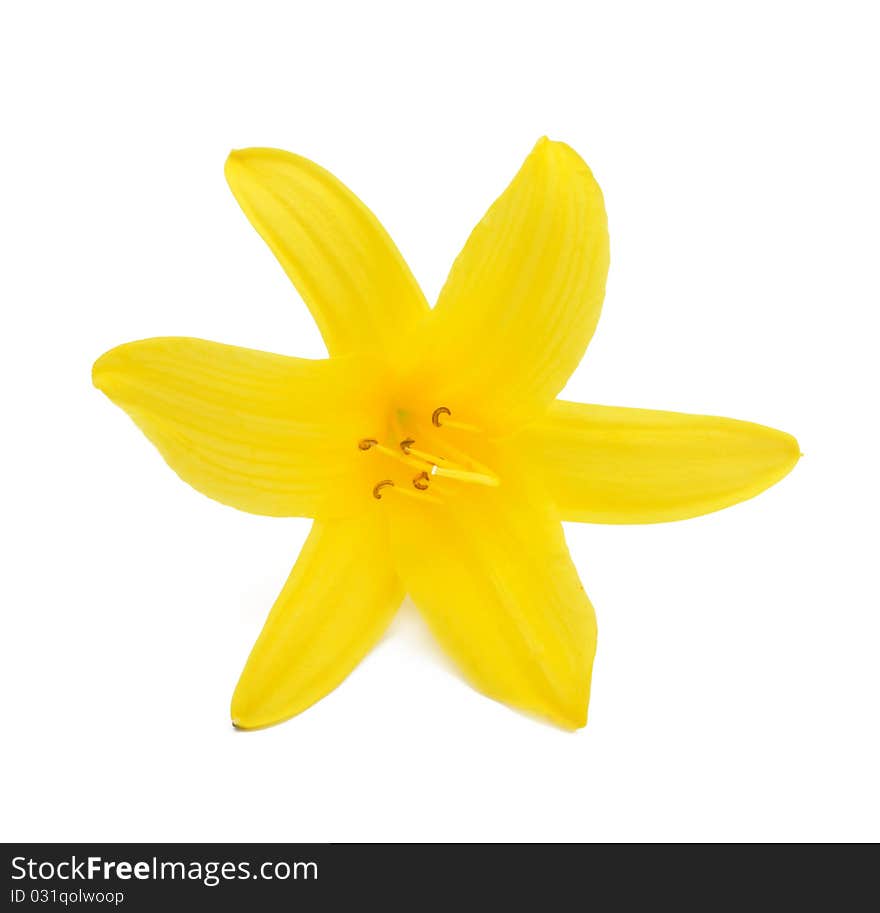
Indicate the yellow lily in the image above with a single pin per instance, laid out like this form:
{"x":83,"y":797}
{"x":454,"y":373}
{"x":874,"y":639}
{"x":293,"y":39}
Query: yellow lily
{"x":429,"y":447}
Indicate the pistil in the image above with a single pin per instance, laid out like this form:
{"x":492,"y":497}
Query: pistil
{"x":465,"y":475}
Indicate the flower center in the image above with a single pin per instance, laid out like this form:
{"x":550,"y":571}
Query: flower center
{"x":416,"y":470}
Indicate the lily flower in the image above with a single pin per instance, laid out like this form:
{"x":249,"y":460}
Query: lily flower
{"x":430,"y":448}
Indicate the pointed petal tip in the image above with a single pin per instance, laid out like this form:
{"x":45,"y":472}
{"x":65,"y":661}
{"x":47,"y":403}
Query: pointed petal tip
{"x":249,"y":715}
{"x":246,"y":719}
{"x":235,"y":161}
{"x":240,"y":161}
{"x":790,"y":451}
{"x":239,"y":156}
{"x":573,"y":717}
{"x":547,"y":146}
{"x":244,"y":713}
{"x":567,"y":716}
{"x":97,"y":372}
{"x":114,"y":364}
{"x":102,"y":369}
{"x":251,"y":157}
{"x":543,"y":146}
{"x":252,"y":709}
{"x":240,"y":724}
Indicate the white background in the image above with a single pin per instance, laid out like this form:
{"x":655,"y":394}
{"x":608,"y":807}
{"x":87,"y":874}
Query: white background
{"x":736,"y":684}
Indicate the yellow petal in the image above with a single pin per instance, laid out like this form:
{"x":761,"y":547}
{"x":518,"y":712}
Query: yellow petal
{"x":611,"y":465}
{"x":343,"y":263}
{"x":492,"y":575}
{"x":523,"y":297}
{"x":337,"y":602}
{"x":264,"y":433}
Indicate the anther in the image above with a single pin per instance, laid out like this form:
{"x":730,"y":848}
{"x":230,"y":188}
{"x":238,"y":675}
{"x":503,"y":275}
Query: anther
{"x":421,"y":481}
{"x":435,"y":416}
{"x":377,"y":488}
{"x":405,"y":445}
{"x":367,"y":443}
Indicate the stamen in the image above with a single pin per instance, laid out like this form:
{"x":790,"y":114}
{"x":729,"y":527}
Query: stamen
{"x":448,"y":423}
{"x":458,"y":466}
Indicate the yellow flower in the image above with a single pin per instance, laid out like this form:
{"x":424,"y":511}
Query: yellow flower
{"x":429,"y":447}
